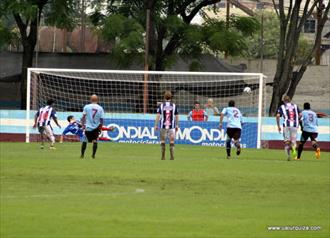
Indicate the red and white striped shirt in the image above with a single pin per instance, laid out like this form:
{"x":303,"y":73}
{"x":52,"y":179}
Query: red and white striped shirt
{"x":45,"y":114}
{"x":168,"y":111}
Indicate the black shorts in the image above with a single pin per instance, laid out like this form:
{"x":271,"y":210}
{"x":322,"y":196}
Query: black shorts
{"x":92,"y":135}
{"x":234,"y":133}
{"x":306,"y":135}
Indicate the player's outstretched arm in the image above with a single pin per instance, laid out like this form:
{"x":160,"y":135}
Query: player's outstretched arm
{"x":101,"y":123}
{"x":56,"y":122}
{"x":83,"y":121}
{"x":66,"y":131}
{"x":35,"y":119}
{"x":189,"y":116}
{"x":206,"y":117}
{"x":221,"y":120}
{"x":176,"y":122}
{"x":278,"y":116}
{"x":156,"y":121}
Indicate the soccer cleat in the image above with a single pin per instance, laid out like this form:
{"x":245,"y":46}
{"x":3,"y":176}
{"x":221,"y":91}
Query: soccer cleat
{"x":238,"y":152}
{"x":81,"y":156}
{"x":318,"y":153}
{"x":93,"y":156}
{"x":41,"y":147}
{"x":228,"y":157}
{"x":52,"y":148}
{"x":296,"y":158}
{"x":293,"y":152}
{"x":289,"y":158}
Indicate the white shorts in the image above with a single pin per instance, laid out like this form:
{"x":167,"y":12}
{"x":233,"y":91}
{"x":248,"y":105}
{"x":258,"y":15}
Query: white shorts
{"x":46,"y":130}
{"x":290,"y":134}
{"x":166,"y":133}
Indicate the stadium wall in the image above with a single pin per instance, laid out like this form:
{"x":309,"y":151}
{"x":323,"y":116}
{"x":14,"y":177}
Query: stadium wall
{"x":12,"y":128}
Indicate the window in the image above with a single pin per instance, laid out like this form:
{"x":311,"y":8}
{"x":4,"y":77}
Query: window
{"x":309,"y":26}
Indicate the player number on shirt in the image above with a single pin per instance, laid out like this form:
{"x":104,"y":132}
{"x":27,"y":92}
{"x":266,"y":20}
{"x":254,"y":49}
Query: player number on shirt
{"x":235,"y":113}
{"x":44,"y":115}
{"x":167,"y":118}
{"x":291,"y":115}
{"x":310,"y":117}
{"x":94,"y":112}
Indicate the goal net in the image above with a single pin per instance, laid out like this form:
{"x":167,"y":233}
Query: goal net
{"x":130,"y":99}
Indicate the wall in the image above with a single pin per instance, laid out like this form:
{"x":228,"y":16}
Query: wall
{"x":12,"y":127}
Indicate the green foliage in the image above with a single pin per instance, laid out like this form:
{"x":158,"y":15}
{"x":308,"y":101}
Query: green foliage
{"x":188,"y":40}
{"x":174,"y":24}
{"x":126,"y":34}
{"x":247,"y":26}
{"x":27,"y":9}
{"x":5,"y":35}
{"x":305,"y":47}
{"x":271,"y":31}
{"x":127,"y":191}
{"x":229,"y":38}
{"x":62,"y":14}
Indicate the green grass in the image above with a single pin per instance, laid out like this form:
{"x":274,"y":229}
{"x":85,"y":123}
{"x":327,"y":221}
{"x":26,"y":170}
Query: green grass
{"x":128,"y":192}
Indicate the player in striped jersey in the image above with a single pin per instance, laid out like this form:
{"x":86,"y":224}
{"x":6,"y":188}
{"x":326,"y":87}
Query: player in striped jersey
{"x":234,"y":126}
{"x":42,"y":120}
{"x":290,"y":114}
{"x":309,"y":129}
{"x":167,"y":120}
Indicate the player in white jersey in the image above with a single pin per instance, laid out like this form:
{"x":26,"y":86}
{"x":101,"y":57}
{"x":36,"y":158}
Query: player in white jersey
{"x":42,"y":120}
{"x":290,"y":114}
{"x":309,"y":127}
{"x":234,"y":126}
{"x":92,"y":121}
{"x":167,"y":120}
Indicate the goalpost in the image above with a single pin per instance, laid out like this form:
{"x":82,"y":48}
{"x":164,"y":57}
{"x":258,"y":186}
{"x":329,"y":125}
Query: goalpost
{"x":130,"y":99}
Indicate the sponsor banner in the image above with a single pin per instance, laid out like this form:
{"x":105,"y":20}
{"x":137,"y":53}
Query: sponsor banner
{"x":196,"y":133}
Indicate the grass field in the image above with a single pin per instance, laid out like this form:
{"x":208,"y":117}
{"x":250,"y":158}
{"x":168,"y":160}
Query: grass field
{"x":128,"y":192}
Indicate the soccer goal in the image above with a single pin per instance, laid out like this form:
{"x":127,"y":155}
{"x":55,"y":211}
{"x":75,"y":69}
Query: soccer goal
{"x":130,"y":99}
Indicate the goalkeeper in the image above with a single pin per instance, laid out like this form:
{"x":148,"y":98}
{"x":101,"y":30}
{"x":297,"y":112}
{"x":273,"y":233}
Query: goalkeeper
{"x":74,"y":128}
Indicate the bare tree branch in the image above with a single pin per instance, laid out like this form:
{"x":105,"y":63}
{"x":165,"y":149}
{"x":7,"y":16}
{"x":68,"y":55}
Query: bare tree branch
{"x":317,"y":37}
{"x":276,"y":10}
{"x":193,"y":13}
{"x":307,"y":14}
{"x":290,"y":7}
{"x":281,"y":10}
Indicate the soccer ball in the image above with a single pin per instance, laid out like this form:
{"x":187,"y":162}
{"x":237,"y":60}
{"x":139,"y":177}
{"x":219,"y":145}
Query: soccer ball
{"x":247,"y":90}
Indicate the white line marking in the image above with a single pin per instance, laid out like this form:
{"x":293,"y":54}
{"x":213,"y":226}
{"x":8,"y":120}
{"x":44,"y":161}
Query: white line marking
{"x":56,"y":195}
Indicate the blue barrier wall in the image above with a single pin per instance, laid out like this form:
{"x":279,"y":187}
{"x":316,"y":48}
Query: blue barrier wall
{"x":138,"y":128}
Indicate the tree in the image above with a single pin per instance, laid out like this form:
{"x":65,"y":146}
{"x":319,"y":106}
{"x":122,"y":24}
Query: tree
{"x":271,"y":39}
{"x":171,"y":34}
{"x":271,"y":35}
{"x":27,"y":14}
{"x":171,"y":31}
{"x":292,"y":20}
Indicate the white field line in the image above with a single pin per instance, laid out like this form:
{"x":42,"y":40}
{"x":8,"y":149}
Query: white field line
{"x":56,"y":195}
